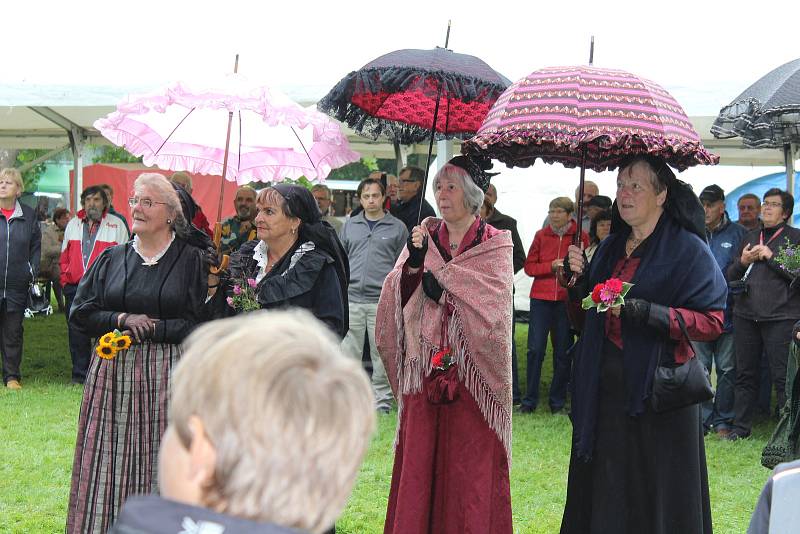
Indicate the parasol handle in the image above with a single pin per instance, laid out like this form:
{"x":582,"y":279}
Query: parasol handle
{"x":224,"y":259}
{"x":579,"y":213}
{"x":430,"y":151}
{"x":227,"y":149}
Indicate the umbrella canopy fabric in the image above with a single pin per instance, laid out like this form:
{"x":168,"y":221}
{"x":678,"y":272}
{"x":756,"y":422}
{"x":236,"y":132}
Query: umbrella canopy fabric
{"x":396,"y":94}
{"x":183,"y":128}
{"x":766,"y":114}
{"x":587,"y":116}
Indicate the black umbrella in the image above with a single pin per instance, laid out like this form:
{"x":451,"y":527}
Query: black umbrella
{"x":767,"y":114}
{"x":397,"y":95}
{"x":410,"y":96}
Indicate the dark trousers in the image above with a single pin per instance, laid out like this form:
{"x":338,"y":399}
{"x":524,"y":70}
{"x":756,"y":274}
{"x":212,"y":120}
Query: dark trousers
{"x":11,"y":341}
{"x":751,"y":338}
{"x":514,"y":373}
{"x":80,"y":345}
{"x":548,"y":318}
{"x":765,"y":387}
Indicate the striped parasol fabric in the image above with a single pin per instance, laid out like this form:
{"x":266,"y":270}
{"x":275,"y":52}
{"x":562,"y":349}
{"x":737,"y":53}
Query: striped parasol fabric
{"x":560,"y":114}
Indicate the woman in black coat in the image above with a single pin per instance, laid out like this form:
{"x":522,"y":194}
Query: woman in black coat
{"x":20,"y":249}
{"x":634,"y":469}
{"x":297,"y":260}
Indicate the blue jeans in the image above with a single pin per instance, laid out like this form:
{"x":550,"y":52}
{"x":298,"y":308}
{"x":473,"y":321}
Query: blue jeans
{"x":719,"y":412}
{"x":548,"y":318}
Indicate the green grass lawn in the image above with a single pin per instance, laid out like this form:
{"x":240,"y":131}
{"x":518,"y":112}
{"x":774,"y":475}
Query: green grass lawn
{"x":38,"y":429}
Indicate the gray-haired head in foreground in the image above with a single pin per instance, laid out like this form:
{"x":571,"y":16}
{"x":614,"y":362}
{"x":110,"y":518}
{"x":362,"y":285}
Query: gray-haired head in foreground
{"x":290,"y":418}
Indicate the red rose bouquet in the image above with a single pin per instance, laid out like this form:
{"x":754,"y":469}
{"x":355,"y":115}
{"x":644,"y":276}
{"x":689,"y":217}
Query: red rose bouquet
{"x":443,"y":359}
{"x":607,"y":295}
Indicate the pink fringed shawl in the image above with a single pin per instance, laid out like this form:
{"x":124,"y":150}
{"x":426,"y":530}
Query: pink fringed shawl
{"x":478,"y":284}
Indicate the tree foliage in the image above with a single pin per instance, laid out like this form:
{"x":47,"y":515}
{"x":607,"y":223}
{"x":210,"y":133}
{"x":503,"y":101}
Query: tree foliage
{"x":114,"y":154}
{"x":355,"y":171}
{"x":31,"y":176}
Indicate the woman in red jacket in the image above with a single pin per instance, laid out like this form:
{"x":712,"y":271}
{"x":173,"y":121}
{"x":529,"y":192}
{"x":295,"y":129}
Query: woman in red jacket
{"x":548,"y":312}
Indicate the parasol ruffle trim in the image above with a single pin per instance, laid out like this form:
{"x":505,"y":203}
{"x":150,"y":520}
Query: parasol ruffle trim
{"x":338,"y":102}
{"x":606,"y":151}
{"x":326,"y":159}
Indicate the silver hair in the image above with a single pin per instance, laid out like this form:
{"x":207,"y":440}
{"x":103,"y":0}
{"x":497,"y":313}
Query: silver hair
{"x":473,"y":196}
{"x":178,"y":222}
{"x":290,"y":419}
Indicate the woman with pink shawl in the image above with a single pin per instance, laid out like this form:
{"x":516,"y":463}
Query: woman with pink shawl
{"x":444,"y":333}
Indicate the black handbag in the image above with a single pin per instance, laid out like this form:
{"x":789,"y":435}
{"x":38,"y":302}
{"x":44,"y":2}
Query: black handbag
{"x":739,"y":287}
{"x":676,"y":386}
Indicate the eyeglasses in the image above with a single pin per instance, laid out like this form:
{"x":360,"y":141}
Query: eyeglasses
{"x":145,"y":202}
{"x":771,"y":205}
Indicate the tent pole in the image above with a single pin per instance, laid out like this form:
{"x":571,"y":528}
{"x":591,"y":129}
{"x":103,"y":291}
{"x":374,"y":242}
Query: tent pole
{"x":77,"y":142}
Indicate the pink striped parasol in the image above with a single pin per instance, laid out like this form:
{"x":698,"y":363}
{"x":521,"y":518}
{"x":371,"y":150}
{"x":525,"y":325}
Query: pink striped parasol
{"x":589,"y":117}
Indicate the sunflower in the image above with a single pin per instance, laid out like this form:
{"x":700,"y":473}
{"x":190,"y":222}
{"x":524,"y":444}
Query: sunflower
{"x":106,"y":352}
{"x":107,"y":340}
{"x":122,"y":342}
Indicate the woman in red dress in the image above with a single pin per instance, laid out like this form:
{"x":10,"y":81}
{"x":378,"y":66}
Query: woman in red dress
{"x":444,"y":333}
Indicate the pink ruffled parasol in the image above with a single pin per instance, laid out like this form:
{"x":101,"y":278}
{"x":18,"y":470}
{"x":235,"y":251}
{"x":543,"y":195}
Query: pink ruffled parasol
{"x":183,"y":128}
{"x":587,"y":116}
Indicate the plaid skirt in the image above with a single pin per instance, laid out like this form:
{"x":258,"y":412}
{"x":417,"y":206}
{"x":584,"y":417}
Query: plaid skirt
{"x":123,"y":416}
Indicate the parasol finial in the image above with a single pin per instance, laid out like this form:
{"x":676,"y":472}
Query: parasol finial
{"x":236,"y":64}
{"x":447,"y":37}
{"x":591,"y":51}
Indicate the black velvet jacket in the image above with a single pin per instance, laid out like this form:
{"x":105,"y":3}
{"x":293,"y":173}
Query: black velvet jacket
{"x":309,"y":282}
{"x":172,"y":291}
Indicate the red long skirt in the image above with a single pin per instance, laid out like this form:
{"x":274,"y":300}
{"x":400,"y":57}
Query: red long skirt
{"x":450,"y":470}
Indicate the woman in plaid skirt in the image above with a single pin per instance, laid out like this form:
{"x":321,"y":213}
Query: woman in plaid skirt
{"x":152,"y":290}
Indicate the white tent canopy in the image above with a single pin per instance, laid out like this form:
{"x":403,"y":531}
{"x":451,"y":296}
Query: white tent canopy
{"x":60,"y":117}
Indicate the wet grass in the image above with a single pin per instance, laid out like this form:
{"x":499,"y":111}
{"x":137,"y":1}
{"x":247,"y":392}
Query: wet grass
{"x":38,"y":429}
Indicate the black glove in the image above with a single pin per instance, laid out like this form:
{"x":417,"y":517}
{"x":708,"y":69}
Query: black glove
{"x":431,"y":287}
{"x":639,"y":313}
{"x":416,"y":256}
{"x":210,"y":258}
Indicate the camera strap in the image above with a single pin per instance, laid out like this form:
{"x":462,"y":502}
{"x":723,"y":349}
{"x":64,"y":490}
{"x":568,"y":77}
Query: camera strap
{"x":771,"y":239}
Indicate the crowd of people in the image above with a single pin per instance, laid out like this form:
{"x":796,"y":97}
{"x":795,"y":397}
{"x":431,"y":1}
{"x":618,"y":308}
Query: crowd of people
{"x":154,"y":312}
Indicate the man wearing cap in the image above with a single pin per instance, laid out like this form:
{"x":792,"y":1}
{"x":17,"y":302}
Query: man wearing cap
{"x":723,"y":237}
{"x":597,"y":204}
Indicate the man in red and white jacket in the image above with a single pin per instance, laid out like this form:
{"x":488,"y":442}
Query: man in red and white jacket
{"x":87,"y":235}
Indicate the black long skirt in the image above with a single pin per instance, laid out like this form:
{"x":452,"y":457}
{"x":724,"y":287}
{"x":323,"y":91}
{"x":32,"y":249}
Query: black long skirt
{"x":647,"y":474}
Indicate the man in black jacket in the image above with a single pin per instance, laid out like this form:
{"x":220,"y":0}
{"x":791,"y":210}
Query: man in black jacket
{"x":766,"y":308}
{"x":410,"y":196}
{"x":502,"y":221}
